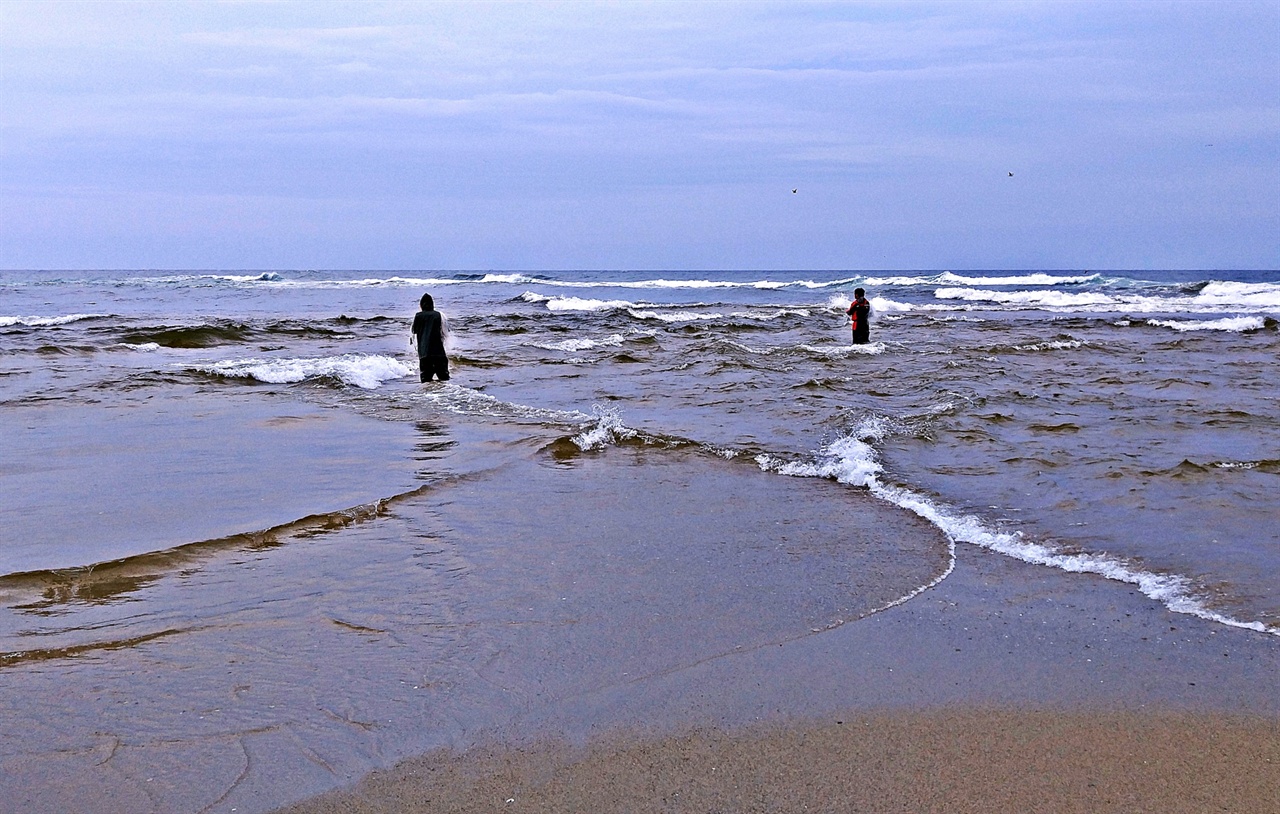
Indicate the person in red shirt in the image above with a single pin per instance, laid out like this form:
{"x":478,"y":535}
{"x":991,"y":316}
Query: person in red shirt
{"x":860,"y":312}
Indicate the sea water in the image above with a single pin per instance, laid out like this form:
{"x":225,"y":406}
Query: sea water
{"x":1121,"y":424}
{"x":194,"y":452}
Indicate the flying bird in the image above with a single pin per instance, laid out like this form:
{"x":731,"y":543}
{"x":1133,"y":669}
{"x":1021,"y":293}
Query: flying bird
{"x":1010,"y":175}
{"x":794,"y":191}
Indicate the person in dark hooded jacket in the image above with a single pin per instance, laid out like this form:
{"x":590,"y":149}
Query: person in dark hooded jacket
{"x":428,"y":335}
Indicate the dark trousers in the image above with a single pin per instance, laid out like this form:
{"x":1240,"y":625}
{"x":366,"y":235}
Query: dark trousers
{"x":438,"y":365}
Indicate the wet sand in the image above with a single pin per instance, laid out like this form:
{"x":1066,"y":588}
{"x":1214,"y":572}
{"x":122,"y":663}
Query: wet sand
{"x":1007,"y":688}
{"x":578,"y":632}
{"x":944,"y":761}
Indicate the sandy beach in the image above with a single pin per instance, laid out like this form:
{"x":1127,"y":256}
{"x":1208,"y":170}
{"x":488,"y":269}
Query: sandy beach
{"x":1006,"y":688}
{"x":942,"y":761}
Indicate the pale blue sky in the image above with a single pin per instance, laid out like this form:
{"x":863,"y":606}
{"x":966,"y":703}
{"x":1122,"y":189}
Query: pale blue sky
{"x":640,"y":136}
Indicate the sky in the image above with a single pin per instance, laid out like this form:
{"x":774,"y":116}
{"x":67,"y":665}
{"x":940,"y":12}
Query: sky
{"x":678,"y":135}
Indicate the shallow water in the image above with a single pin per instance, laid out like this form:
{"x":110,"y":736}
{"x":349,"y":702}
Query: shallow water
{"x":1129,"y":420}
{"x":217,"y":483}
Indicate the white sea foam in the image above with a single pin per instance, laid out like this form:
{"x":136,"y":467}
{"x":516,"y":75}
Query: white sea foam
{"x":747,"y":348}
{"x":675,"y":316}
{"x":879,"y":305}
{"x":1231,"y":324}
{"x":1020,"y":279}
{"x":769,"y":316}
{"x":1236,"y":464}
{"x":146,"y":347}
{"x":204,"y":279}
{"x":852,"y":460}
{"x":359,"y":370}
{"x":465,"y":401}
{"x":611,"y":341}
{"x":1057,"y":344}
{"x":869,"y":349}
{"x":581,"y":304}
{"x":663,"y":283}
{"x":373,"y":282}
{"x":1213,"y":298}
{"x":608,"y":430}
{"x":46,"y":322}
{"x":1038,"y":299}
{"x":1233,"y":294}
{"x":950,"y":278}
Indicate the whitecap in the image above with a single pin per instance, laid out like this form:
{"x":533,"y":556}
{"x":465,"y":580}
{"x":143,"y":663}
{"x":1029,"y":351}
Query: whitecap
{"x":582,"y":304}
{"x":1231,"y":324}
{"x":1019,"y":279}
{"x":608,"y":430}
{"x":46,"y":322}
{"x":674,"y":316}
{"x":1057,"y":344}
{"x":1047,"y":299}
{"x":359,"y":370}
{"x":611,"y":341}
{"x":869,"y":349}
{"x":879,"y":305}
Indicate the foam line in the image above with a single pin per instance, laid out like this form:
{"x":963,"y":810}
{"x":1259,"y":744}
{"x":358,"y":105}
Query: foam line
{"x":852,"y":460}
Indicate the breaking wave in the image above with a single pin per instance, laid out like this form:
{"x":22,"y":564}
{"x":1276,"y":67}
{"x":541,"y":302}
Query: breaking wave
{"x":45,"y":322}
{"x":1231,"y":324}
{"x":359,"y":370}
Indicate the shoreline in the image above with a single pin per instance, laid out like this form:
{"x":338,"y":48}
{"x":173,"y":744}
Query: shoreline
{"x":1008,"y":687}
{"x":428,"y":651}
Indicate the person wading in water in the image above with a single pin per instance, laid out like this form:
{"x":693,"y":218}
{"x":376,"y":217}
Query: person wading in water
{"x":428,"y":335}
{"x":860,"y":311}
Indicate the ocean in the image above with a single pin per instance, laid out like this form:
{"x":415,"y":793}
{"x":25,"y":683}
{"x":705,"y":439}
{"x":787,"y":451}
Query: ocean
{"x":233,"y":484}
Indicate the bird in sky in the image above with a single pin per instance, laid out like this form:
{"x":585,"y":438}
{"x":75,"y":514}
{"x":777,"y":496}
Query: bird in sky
{"x":794,"y":191}
{"x":1010,"y":175}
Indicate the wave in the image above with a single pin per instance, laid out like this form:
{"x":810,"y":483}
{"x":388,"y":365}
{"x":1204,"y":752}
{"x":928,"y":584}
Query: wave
{"x":192,"y":336}
{"x":462,"y":400}
{"x":676,"y":316}
{"x":1044,"y":299}
{"x":950,"y":278}
{"x":46,"y":322}
{"x":869,"y":349}
{"x":608,"y":430}
{"x":1056,"y":344}
{"x":655,"y":313}
{"x":1230,"y":324}
{"x":205,"y":279}
{"x":1212,"y":297}
{"x":879,"y":305}
{"x":852,"y":460}
{"x":1270,"y":466}
{"x":582,"y":304}
{"x":366,"y":371}
{"x":611,"y":341}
